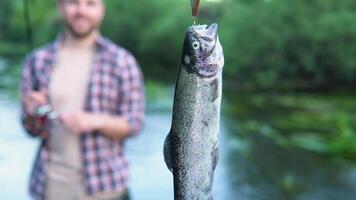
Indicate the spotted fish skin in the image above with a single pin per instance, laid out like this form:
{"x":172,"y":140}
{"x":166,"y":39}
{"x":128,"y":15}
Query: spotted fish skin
{"x":191,"y":147}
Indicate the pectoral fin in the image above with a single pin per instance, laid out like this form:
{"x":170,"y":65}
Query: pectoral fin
{"x":215,"y":155}
{"x":167,"y":152}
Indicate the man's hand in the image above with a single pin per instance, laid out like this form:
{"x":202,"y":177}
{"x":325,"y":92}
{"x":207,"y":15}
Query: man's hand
{"x":115,"y":127}
{"x":33,"y":100}
{"x":79,"y":122}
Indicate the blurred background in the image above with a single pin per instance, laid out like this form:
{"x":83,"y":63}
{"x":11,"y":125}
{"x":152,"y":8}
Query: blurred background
{"x":288,"y":128}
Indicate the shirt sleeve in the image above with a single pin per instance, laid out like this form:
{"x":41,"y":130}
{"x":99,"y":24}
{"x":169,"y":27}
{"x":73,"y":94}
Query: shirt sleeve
{"x":132,"y":101}
{"x":28,"y":83}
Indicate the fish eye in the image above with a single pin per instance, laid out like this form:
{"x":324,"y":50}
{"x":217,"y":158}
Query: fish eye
{"x":195,"y":45}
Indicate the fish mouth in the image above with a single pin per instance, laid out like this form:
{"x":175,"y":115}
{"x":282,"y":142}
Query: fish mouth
{"x":212,"y":30}
{"x":207,"y":31}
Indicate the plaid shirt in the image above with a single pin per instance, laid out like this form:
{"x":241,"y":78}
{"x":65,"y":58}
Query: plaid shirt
{"x":116,"y":88}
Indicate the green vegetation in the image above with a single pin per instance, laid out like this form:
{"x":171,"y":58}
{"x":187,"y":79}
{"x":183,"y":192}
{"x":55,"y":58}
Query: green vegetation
{"x":10,"y":77}
{"x":268,"y":44}
{"x":290,"y":44}
{"x":319,"y":123}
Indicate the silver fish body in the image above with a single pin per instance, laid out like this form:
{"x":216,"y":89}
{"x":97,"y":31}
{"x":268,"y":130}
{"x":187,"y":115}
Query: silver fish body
{"x":191,"y":147}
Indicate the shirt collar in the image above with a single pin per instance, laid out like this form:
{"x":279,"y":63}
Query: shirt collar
{"x":100,"y":42}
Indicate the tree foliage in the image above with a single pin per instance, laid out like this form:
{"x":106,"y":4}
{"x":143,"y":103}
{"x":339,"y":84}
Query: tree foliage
{"x":267,"y":43}
{"x":277,"y":42}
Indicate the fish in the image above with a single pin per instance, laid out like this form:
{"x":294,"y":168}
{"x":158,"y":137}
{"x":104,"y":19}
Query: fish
{"x":191,"y":146}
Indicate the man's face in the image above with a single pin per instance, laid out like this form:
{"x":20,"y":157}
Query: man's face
{"x":82,"y":17}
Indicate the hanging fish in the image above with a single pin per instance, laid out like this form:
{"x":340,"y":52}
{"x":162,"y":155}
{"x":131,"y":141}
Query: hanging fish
{"x":191,"y":147}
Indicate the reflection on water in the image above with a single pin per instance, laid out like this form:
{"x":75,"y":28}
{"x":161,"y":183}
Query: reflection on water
{"x":16,"y":153}
{"x":265,"y":171}
{"x":251,"y":166}
{"x":264,"y":161}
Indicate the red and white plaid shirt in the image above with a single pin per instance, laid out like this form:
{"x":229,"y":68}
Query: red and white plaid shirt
{"x":116,"y":88}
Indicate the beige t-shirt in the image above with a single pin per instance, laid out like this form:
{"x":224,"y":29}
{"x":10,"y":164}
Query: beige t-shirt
{"x":67,"y":92}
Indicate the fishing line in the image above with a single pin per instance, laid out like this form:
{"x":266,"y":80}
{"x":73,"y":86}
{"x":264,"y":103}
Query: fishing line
{"x":195,"y":7}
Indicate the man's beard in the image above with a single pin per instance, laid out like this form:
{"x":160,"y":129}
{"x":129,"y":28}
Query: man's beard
{"x":77,"y":34}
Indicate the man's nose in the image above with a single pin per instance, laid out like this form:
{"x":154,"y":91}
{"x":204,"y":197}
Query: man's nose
{"x":82,"y":8}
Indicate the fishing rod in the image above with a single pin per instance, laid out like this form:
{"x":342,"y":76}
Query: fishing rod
{"x":28,"y":24}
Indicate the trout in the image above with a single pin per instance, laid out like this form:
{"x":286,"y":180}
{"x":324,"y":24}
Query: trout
{"x":191,"y":147}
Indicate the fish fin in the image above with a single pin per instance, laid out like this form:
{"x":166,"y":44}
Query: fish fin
{"x":215,"y":155}
{"x":215,"y":88}
{"x":167,"y":152}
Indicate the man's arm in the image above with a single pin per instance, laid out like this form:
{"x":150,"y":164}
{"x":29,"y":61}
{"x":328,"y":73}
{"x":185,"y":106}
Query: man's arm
{"x":30,"y":99}
{"x":132,"y":104}
{"x":113,"y":126}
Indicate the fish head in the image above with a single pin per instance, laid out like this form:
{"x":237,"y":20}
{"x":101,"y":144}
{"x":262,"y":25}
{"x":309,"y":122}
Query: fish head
{"x":202,"y":51}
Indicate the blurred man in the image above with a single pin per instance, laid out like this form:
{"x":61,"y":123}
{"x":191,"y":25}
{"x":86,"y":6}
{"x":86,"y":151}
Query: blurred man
{"x":96,"y":88}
